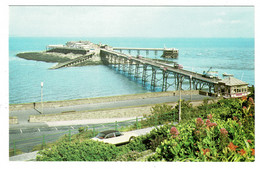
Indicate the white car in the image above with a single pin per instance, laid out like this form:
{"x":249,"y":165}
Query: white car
{"x":115,"y":137}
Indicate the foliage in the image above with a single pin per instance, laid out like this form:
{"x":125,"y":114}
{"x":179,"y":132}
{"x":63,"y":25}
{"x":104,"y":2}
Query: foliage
{"x":136,"y":145}
{"x":41,"y":146}
{"x":81,"y":129}
{"x":129,"y":156}
{"x":218,"y":131}
{"x":160,"y":114}
{"x":17,"y":152}
{"x":221,"y":137}
{"x":252,"y":92}
{"x":87,"y":150}
{"x":157,"y":141}
{"x":84,"y":133}
{"x":154,"y":138}
{"x":164,"y":114}
{"x":187,"y":110}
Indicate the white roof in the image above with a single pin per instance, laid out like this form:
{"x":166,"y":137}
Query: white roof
{"x":231,"y":81}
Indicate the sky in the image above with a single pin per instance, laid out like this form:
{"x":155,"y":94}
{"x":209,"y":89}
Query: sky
{"x":131,"y":21}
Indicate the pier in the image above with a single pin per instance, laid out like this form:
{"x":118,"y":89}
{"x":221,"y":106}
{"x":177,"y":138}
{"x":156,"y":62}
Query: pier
{"x":153,"y":73}
{"x":74,"y":62}
{"x":156,"y":73}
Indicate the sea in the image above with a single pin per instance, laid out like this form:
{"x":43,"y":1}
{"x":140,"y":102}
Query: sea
{"x":226,"y":55}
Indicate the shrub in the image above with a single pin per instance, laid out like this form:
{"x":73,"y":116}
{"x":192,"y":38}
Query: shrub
{"x":156,"y":136}
{"x":160,"y":114}
{"x":222,"y":131}
{"x":129,"y":156}
{"x":87,"y":150}
{"x":156,"y":142}
{"x":81,"y":129}
{"x":136,"y":145}
{"x":207,"y":140}
{"x":16,"y":152}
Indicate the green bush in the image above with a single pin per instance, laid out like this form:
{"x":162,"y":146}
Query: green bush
{"x":87,"y":150}
{"x":160,"y":114}
{"x":16,"y":152}
{"x":81,"y":129}
{"x":136,"y":145}
{"x":129,"y":156}
{"x":187,"y":111}
{"x":154,"y":138}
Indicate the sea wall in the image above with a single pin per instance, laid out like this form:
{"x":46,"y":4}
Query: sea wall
{"x":26,"y":106}
{"x":13,"y":120}
{"x":100,"y":114}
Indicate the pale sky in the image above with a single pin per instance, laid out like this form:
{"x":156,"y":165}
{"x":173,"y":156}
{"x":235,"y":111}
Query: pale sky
{"x":131,"y":21}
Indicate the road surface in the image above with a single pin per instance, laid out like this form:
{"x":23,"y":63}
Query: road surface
{"x":23,"y":115}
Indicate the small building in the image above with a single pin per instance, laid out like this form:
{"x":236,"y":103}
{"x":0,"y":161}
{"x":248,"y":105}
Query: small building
{"x":170,"y":53}
{"x":231,"y":87}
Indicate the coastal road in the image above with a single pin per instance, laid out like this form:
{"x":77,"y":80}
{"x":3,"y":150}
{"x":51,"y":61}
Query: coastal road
{"x":26,"y":135}
{"x":25,"y":139}
{"x":28,"y":155}
{"x":23,"y":115}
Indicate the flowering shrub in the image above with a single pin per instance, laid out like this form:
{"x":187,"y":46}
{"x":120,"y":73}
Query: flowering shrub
{"x":199,"y":122}
{"x":210,"y":139}
{"x":174,"y":132}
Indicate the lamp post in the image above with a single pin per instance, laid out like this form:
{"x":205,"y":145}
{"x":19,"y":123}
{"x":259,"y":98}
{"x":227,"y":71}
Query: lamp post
{"x":190,"y":88}
{"x":180,"y":103}
{"x":42,"y":95}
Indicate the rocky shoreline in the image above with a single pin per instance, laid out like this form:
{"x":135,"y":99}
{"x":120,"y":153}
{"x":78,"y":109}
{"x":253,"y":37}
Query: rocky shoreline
{"x":54,"y":57}
{"x":43,"y":56}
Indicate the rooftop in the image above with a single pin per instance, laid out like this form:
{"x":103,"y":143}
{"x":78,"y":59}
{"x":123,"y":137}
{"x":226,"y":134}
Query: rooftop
{"x":231,"y":81}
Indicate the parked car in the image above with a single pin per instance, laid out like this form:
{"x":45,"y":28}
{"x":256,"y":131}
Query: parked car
{"x":115,"y":137}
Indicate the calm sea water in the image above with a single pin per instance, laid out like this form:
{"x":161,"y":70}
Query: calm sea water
{"x":233,"y":56}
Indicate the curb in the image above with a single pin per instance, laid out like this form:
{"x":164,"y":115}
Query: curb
{"x":24,"y":157}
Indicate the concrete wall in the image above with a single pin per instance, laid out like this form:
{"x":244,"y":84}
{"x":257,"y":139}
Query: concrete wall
{"x":101,"y":114}
{"x":13,"y":120}
{"x":54,"y":104}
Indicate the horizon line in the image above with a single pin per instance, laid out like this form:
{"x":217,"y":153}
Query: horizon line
{"x":29,"y":36}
